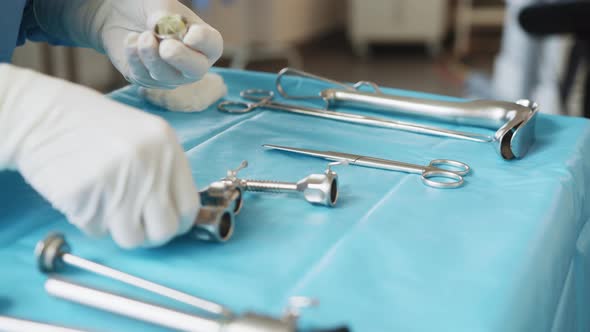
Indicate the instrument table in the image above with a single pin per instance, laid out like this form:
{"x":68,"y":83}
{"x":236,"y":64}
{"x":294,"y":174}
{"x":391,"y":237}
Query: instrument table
{"x":509,"y":251}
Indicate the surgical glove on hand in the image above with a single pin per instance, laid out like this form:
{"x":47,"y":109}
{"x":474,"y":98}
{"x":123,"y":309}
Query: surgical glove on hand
{"x":108,"y":167}
{"x":124,"y":31}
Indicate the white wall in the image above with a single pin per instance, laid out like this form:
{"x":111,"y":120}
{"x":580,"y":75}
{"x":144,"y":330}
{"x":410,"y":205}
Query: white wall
{"x":268,"y":21}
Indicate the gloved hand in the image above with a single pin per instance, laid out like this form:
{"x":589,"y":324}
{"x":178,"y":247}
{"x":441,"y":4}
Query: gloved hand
{"x":124,"y":31}
{"x":106,"y":166}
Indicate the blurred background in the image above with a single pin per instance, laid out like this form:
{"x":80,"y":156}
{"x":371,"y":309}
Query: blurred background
{"x":465,"y":48}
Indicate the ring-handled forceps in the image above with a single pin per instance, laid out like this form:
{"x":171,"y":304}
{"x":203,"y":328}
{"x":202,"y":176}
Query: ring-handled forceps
{"x":514,"y":122}
{"x":264,"y":99}
{"x":433,"y":175}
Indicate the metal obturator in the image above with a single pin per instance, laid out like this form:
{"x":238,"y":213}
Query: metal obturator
{"x":53,"y":253}
{"x":319,"y":189}
{"x":180,"y":320}
{"x":514,"y":122}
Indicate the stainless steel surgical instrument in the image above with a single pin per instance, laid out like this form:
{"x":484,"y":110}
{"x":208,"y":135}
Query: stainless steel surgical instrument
{"x":129,"y":307}
{"x":514,"y":122}
{"x":53,"y":253}
{"x":316,"y":188}
{"x":175,"y":319}
{"x":214,"y":223}
{"x":220,"y":204}
{"x":12,"y":324}
{"x":263,"y":99}
{"x":430,"y":173}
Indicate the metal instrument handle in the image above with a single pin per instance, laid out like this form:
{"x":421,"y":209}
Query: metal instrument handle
{"x":125,"y":306}
{"x":430,"y":173}
{"x":87,"y":265}
{"x":265,"y":102}
{"x":294,"y":72}
{"x":236,"y":107}
{"x":449,"y":172}
{"x":459,"y":112}
{"x":262,"y":97}
{"x":454,"y":166}
{"x":447,"y":180}
{"x":391,"y":165}
{"x":20,"y":325}
{"x":259,"y":95}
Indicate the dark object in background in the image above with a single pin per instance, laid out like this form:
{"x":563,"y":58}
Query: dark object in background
{"x":564,"y":18}
{"x":557,"y":18}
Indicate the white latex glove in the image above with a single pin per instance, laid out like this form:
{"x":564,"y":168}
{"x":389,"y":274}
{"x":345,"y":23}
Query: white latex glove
{"x":108,"y":167}
{"x":195,"y":97}
{"x":123,"y":29}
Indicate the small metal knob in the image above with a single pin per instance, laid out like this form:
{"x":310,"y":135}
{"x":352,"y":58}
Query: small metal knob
{"x":49,"y":252}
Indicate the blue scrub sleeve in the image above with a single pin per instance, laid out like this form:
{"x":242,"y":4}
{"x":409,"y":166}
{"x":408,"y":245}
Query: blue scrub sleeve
{"x":31,"y":30}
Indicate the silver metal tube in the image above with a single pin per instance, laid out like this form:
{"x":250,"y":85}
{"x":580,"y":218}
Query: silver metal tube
{"x":485,"y":114}
{"x":11,"y":324}
{"x":140,"y":310}
{"x":269,"y":186}
{"x":378,"y":122}
{"x":129,"y":279}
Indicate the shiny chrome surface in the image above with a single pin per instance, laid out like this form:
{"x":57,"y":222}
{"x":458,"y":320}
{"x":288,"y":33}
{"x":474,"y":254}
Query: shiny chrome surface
{"x":264,"y":100}
{"x":12,"y":324}
{"x":432,"y":175}
{"x":53,"y":253}
{"x":172,"y":318}
{"x":222,"y":194}
{"x":125,"y":306}
{"x":214,"y":223}
{"x":218,"y":317}
{"x":316,"y":188}
{"x":514,"y":122}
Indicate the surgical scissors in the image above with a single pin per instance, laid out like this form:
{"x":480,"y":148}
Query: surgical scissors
{"x":263,"y":99}
{"x":430,"y":173}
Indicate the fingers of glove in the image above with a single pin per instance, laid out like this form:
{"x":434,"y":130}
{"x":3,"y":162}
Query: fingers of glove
{"x":184,"y":192}
{"x":191,"y":63}
{"x":85,"y":211}
{"x":127,"y":229}
{"x":83,"y":207}
{"x":205,"y":39}
{"x":138,"y":73}
{"x":148,"y":49}
{"x":161,"y":221}
{"x":91,"y":221}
